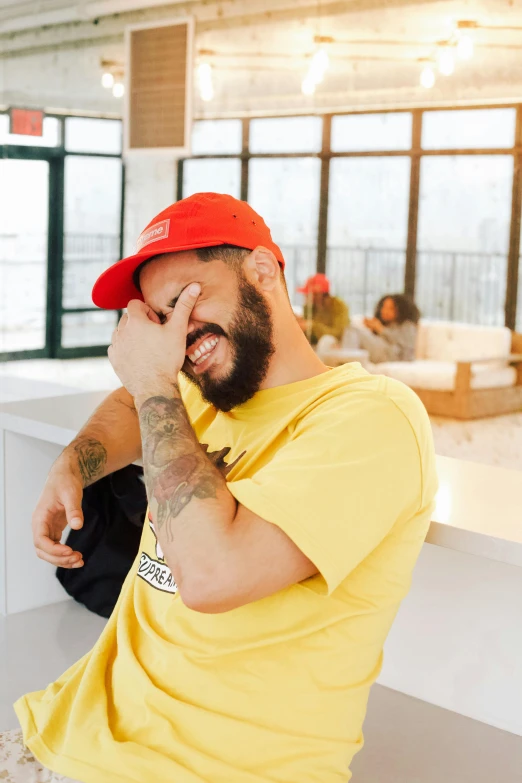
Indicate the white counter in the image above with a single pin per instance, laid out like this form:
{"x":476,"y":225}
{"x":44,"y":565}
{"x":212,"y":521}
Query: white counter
{"x":467,"y":517}
{"x":479,"y":510}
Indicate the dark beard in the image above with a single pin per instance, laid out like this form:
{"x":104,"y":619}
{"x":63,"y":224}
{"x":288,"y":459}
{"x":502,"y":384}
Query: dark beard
{"x":251,"y":338}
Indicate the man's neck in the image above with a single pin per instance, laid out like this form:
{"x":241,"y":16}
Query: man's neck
{"x":294,"y":359}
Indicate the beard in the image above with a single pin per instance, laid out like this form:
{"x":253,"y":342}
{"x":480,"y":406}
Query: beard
{"x":250,"y":337}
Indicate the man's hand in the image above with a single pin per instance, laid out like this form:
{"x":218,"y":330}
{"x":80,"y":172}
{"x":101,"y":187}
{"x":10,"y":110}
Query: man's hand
{"x":145,"y":353}
{"x":60,"y":505}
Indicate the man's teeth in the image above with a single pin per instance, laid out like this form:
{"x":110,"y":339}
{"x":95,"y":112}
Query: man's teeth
{"x":204,"y":350}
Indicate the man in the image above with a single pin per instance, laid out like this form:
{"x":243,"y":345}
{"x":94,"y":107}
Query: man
{"x":288,"y":505}
{"x":322,"y":313}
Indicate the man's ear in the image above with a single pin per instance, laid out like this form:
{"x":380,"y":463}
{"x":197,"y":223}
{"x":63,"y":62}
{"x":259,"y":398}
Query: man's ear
{"x":262,"y":268}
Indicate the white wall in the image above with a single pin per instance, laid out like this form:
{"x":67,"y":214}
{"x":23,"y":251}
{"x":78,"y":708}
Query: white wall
{"x":150,"y":186}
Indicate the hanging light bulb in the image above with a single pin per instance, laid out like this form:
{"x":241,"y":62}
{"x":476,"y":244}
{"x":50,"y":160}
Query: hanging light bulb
{"x":307,"y":86}
{"x":107,"y":80}
{"x":316,"y":71}
{"x":118,"y":90}
{"x":465,"y":47}
{"x":427,"y":77}
{"x":205,"y":83}
{"x":318,"y":66}
{"x":446,"y":62}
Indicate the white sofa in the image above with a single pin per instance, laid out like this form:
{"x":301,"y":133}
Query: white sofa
{"x":440,"y":345}
{"x":460,"y":370}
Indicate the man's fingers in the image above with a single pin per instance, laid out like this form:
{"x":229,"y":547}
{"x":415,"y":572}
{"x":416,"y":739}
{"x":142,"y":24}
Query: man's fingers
{"x":153,"y":316}
{"x":72,"y":504}
{"x":136,"y":308}
{"x":72,"y":561}
{"x":185,"y":305}
{"x":123,"y":321}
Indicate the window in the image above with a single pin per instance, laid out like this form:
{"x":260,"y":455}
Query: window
{"x":83,"y":134}
{"x":285,"y":192}
{"x":286,"y":134}
{"x":367,"y":228}
{"x":23,"y":254}
{"x":468,"y":129}
{"x":463,"y":235}
{"x":92,"y":214}
{"x":86,"y":329}
{"x":462,"y":216}
{"x":221,"y":137}
{"x":366,"y":132}
{"x":218,"y":175}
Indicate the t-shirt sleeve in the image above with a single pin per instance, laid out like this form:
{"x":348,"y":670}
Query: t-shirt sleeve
{"x":349,"y":472}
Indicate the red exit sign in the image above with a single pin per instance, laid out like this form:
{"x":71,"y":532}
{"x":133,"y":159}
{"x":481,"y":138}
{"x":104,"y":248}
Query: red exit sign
{"x":26,"y":122}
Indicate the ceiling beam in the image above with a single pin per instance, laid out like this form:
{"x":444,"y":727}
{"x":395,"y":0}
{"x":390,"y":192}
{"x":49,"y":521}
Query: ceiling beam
{"x":115,"y":14}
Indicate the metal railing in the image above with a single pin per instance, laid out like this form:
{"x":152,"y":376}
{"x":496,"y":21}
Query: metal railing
{"x":450,"y":286}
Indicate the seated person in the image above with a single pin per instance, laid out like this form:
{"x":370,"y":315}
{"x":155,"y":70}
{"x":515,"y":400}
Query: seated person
{"x":322,"y":314}
{"x":389,"y":336}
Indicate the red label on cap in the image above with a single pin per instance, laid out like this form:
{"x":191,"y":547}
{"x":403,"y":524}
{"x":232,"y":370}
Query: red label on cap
{"x":154,"y":233}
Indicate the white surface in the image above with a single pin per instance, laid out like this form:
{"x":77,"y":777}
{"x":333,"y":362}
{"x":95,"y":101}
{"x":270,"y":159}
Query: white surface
{"x":457,"y":638}
{"x":13,"y":388}
{"x":82,"y":374}
{"x":440,"y":375}
{"x":38,"y":646}
{"x":479,"y":510}
{"x":29,"y":581}
{"x":54,"y":419}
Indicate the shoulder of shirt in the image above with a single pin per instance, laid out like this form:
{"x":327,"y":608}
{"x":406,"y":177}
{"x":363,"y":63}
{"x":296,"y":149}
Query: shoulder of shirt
{"x":348,"y":389}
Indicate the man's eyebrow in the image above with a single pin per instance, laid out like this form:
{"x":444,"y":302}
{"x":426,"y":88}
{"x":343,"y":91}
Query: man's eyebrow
{"x":173,"y":302}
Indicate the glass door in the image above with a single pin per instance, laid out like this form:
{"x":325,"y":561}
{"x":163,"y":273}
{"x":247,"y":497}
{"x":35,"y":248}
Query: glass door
{"x":92,"y":217}
{"x":24,"y":222}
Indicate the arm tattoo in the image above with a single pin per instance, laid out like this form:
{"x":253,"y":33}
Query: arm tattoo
{"x":176,"y":468}
{"x":92,"y":458}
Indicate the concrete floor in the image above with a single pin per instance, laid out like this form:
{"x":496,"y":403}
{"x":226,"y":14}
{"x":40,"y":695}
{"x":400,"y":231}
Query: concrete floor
{"x":407,"y":741}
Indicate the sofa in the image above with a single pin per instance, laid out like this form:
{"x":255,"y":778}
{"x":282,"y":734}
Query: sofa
{"x":461,"y":370}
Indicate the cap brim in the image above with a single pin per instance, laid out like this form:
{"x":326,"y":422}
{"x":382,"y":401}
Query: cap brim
{"x":114,"y":288}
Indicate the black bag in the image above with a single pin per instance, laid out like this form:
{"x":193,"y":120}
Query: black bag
{"x":114,"y":512}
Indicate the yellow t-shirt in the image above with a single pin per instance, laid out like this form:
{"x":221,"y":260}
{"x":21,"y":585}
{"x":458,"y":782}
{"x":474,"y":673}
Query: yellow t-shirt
{"x":274,"y":691}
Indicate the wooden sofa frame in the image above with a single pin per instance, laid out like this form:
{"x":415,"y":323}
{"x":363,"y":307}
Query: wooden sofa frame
{"x":463,"y":402}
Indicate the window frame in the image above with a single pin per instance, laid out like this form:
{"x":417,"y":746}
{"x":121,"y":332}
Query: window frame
{"x":56,"y":157}
{"x":415,"y":153}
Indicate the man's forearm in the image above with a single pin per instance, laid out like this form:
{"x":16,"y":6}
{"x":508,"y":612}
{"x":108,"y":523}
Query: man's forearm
{"x":191,"y":507}
{"x":109,"y":441}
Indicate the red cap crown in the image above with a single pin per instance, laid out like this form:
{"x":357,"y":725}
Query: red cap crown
{"x":318,"y":284}
{"x":201,"y":220}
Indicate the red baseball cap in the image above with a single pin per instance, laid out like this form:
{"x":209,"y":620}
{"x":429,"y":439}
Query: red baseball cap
{"x":201,"y":220}
{"x":318,"y":284}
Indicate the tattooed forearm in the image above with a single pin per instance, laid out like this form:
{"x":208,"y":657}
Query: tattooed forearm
{"x":92,"y":458}
{"x":176,"y":468}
